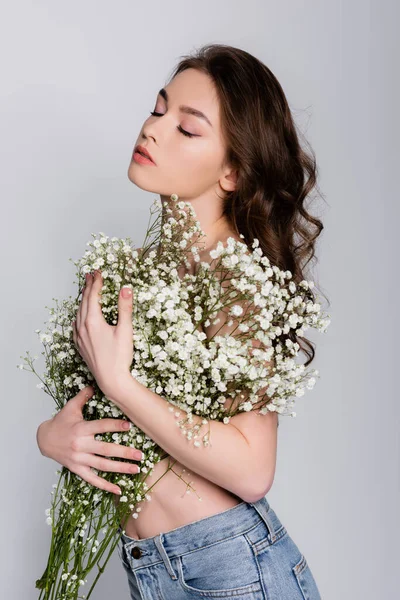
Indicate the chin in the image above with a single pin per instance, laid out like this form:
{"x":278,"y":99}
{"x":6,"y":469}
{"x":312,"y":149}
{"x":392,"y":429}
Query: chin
{"x":139,"y":178}
{"x":143,"y":181}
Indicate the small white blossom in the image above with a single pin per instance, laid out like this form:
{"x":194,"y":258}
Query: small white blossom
{"x":199,"y":375}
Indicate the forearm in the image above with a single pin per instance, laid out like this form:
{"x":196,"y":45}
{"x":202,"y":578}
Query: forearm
{"x":227,"y":461}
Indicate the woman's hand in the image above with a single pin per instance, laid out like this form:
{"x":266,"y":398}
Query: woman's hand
{"x":69,"y":439}
{"x":106,"y":349}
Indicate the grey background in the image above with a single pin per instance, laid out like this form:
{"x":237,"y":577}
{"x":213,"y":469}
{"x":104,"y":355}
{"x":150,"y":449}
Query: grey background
{"x":77,"y":81}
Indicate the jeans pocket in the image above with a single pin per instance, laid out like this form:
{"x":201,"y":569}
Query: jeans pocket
{"x":222,"y":570}
{"x":305,"y":580}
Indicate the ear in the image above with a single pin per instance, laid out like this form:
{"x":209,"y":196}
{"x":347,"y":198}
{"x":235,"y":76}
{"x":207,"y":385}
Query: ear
{"x":228,"y":180}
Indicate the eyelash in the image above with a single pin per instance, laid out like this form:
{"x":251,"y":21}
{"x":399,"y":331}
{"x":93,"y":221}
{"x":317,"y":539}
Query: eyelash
{"x":157,"y":114}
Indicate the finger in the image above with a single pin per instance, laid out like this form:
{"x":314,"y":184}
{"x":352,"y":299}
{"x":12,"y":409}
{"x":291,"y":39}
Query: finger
{"x":111,"y":449}
{"x":93,"y":305}
{"x":74,"y":334}
{"x":79,"y":401}
{"x":78,"y":318}
{"x":83,"y":308}
{"x":88,"y":475}
{"x":113,"y":466}
{"x":104,"y":425}
{"x":125,"y":304}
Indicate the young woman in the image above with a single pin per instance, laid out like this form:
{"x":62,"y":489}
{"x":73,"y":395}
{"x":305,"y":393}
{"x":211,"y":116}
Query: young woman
{"x":221,"y":136}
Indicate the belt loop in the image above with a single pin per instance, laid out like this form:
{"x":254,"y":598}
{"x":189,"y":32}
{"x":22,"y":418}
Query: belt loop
{"x":262,"y":507}
{"x":164,"y":555}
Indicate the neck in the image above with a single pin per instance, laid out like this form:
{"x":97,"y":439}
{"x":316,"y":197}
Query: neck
{"x":213,"y":224}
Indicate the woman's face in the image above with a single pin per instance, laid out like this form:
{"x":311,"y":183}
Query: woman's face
{"x":188,"y":166}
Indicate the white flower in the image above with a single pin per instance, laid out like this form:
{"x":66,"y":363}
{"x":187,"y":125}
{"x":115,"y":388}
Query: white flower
{"x":174,"y":355}
{"x":236,"y":310}
{"x":311,"y":383}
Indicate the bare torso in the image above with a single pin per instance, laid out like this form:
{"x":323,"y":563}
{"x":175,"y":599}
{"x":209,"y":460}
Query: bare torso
{"x":172,"y":506}
{"x":175,"y":500}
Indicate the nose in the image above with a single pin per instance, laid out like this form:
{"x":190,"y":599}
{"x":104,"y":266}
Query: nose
{"x":145,"y":136}
{"x":150,"y":130}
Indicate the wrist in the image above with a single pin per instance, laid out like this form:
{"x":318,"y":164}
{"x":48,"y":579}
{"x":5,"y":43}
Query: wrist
{"x":121,"y":388}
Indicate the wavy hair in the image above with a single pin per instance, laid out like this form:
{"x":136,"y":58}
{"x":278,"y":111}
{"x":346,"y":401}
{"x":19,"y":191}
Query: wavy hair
{"x":275,"y":175}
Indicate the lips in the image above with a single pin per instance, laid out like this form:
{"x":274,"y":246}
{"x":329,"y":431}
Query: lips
{"x":142,"y":150}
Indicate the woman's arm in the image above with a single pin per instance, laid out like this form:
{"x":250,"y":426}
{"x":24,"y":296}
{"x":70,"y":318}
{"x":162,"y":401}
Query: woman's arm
{"x":69,"y":439}
{"x":241,"y":456}
{"x":41,"y":437}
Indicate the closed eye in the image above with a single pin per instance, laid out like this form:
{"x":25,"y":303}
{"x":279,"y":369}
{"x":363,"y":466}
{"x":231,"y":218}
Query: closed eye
{"x":157,"y":114}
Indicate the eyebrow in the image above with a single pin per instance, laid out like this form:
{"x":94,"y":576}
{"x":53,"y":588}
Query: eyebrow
{"x":186,"y":109}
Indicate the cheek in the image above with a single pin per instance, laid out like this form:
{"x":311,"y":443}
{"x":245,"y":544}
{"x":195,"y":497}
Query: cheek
{"x":191,"y":166}
{"x":199,"y":161}
{"x":193,"y":172}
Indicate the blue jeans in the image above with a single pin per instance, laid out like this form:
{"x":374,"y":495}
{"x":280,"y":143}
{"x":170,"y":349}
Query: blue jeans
{"x":243,"y":552}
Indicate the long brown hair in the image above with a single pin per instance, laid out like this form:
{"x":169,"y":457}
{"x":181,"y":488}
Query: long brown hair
{"x":275,"y":175}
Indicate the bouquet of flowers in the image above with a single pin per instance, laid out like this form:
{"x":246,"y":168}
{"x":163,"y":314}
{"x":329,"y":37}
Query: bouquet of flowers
{"x":251,"y":366}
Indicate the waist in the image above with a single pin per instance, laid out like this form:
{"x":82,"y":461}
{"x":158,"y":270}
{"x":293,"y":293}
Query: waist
{"x":178,"y":497}
{"x":234,"y":521}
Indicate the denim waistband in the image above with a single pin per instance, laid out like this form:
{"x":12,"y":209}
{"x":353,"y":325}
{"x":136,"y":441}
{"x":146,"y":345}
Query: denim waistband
{"x":231,"y":522}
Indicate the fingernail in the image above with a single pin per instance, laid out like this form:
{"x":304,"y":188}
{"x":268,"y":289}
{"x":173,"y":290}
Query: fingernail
{"x":126,"y":425}
{"x":126,"y":291}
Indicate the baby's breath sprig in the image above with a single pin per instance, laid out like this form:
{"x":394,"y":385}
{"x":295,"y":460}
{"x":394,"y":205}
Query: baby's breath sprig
{"x":249,"y":363}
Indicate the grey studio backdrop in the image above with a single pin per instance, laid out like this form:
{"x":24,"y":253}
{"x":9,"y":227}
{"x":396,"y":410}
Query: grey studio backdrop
{"x":78,"y":79}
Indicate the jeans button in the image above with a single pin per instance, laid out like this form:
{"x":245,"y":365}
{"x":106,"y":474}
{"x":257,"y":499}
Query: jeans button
{"x":136,"y":552}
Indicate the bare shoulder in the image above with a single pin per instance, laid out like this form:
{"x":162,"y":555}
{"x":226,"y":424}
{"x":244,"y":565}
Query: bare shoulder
{"x":205,"y":254}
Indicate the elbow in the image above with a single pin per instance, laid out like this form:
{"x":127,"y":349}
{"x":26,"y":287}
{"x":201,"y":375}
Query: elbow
{"x":39,"y":438}
{"x":258,"y":488}
{"x":256,"y":495}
